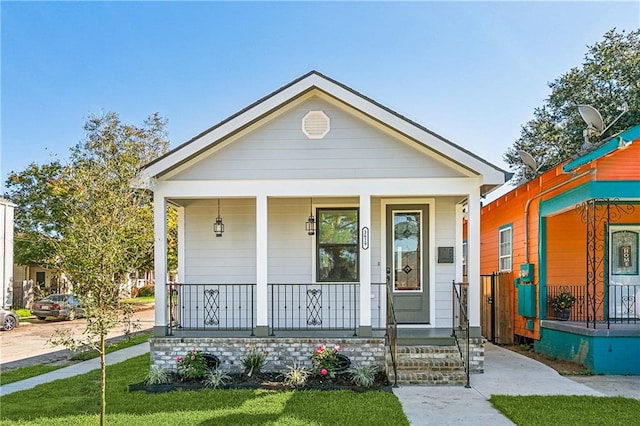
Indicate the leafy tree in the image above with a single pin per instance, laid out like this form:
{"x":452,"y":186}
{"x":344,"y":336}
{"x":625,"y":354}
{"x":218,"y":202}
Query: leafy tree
{"x":608,"y":77}
{"x":39,"y":191}
{"x":108,"y":230}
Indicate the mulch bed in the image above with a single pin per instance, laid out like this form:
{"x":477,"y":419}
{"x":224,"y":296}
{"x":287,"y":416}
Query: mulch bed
{"x":270,"y":381}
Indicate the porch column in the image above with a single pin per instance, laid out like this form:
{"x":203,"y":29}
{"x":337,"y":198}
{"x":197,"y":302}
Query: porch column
{"x":473,"y":262}
{"x":181,"y":245}
{"x":160,"y":263}
{"x":365,"y":266}
{"x":262,"y":313}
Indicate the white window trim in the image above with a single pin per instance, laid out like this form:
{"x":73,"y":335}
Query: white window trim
{"x":502,"y":256}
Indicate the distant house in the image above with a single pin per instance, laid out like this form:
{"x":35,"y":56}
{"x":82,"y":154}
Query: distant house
{"x":295,"y":217}
{"x":574,"y":229}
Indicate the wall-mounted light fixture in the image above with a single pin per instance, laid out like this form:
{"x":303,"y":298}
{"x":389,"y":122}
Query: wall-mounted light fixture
{"x":310,"y":226}
{"x":218,"y":226}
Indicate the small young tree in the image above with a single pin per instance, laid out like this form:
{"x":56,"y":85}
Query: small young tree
{"x":108,"y":230}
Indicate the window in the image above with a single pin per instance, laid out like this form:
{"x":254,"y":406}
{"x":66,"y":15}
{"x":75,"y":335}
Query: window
{"x":337,"y":245}
{"x":504,"y":248}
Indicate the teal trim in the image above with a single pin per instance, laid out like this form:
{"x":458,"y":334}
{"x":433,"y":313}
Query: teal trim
{"x":622,"y":189}
{"x":602,"y":353}
{"x":621,"y":140}
{"x":542,"y":259}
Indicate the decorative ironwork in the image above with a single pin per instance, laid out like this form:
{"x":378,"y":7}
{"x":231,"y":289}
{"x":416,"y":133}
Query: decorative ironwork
{"x":598,"y":214}
{"x":314,"y":306}
{"x":211,"y":307}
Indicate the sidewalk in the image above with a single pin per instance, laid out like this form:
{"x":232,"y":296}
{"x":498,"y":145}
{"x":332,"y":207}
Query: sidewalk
{"x":506,"y":373}
{"x":75,"y":369}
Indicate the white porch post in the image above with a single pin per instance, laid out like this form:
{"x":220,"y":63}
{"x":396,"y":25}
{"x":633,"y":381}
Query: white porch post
{"x":160,"y":263}
{"x":262,"y":313}
{"x":365,"y":266}
{"x":473,"y":259}
{"x":181,"y":245}
{"x":459,"y":254}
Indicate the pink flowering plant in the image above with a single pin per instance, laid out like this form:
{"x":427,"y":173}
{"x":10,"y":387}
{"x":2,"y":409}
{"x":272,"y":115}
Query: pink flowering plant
{"x":325,"y":360}
{"x":193,"y":365}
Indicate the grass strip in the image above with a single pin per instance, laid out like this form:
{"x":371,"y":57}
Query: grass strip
{"x":75,"y":400}
{"x":132,"y":340}
{"x":22,"y":373}
{"x":567,"y":410}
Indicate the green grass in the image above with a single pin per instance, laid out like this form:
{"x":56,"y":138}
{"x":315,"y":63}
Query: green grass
{"x":22,"y":313}
{"x":125,"y":343}
{"x":568,"y":410}
{"x":17,"y":374}
{"x":75,"y":400}
{"x":140,"y":300}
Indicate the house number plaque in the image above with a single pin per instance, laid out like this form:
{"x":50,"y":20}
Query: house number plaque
{"x":365,"y":238}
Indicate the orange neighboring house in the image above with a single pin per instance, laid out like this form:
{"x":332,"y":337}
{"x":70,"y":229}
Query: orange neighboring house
{"x":574,"y":232}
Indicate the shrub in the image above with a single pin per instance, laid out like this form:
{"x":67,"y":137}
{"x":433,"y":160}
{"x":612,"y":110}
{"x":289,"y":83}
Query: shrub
{"x":157,"y":376}
{"x":146,"y":291}
{"x":364,"y":375}
{"x":216,"y":379}
{"x":325,"y":360}
{"x":296,"y":376}
{"x":193,"y":365}
{"x":253,"y":361}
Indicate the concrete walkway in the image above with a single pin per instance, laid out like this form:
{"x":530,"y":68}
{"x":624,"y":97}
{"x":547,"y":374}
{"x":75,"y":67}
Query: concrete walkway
{"x":75,"y":369}
{"x":506,"y":373}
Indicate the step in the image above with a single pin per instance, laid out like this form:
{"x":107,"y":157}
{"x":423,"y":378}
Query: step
{"x":434,"y":365}
{"x":430,"y":379}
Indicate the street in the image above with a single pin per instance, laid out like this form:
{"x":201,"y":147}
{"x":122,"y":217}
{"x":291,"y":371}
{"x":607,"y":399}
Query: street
{"x":30,"y":340}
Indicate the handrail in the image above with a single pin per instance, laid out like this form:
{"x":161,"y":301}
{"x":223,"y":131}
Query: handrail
{"x":392,"y":336}
{"x":461,"y":327}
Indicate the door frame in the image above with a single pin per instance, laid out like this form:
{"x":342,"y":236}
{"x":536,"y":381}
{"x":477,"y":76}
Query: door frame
{"x":430,"y":277}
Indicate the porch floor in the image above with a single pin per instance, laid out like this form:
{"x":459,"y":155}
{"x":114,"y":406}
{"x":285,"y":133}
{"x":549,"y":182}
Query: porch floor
{"x":407,"y":336}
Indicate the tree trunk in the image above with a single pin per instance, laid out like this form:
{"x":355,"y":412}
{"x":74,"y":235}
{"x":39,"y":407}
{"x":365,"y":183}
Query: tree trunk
{"x":103,"y":380}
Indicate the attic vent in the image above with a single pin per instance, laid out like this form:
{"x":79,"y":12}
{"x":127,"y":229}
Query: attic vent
{"x":315,"y":124}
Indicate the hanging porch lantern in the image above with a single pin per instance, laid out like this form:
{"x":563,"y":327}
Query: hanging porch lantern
{"x":218,"y":226}
{"x":310,"y":226}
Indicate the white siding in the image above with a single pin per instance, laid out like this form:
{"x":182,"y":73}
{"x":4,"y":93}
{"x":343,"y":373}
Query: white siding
{"x":445,"y":234}
{"x":280,"y":150}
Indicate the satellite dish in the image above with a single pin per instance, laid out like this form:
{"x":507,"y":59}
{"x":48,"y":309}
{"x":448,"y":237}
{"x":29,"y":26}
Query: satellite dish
{"x":529,"y":160}
{"x":592,"y":117}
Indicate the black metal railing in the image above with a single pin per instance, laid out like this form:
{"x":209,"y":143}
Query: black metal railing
{"x":211,"y":307}
{"x":624,"y":303}
{"x":392,"y":336}
{"x":321,"y":306}
{"x":620,"y":303}
{"x":460,"y":326}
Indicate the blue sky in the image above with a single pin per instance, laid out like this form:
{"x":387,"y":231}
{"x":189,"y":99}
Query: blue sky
{"x":471,"y":71}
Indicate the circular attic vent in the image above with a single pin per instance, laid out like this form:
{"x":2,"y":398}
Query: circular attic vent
{"x":315,"y":124}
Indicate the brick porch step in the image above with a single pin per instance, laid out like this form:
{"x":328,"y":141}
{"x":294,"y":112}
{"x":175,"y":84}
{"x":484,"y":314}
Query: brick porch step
{"x":428,"y":365}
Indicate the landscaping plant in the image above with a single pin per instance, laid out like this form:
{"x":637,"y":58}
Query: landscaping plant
{"x":296,"y":376}
{"x":193,"y":365}
{"x":364,"y":375}
{"x":325,"y":360}
{"x":253,"y":361}
{"x":216,"y":379}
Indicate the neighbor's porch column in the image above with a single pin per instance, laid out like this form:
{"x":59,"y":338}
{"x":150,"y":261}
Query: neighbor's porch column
{"x":160,"y":262}
{"x":365,"y":266}
{"x":262,"y":313}
{"x":473,"y":262}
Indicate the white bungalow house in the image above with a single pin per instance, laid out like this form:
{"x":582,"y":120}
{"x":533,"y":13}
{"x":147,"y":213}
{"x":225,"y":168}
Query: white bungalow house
{"x":299,"y":214}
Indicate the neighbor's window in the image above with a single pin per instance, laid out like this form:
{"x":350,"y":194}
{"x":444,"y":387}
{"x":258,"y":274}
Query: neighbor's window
{"x":337,"y":245}
{"x":504,"y":242}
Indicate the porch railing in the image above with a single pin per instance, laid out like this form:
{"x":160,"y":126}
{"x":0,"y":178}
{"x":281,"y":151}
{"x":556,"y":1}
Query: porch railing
{"x":620,"y":303}
{"x":321,"y":306}
{"x":392,"y":335}
{"x":211,"y":307}
{"x":460,"y":326}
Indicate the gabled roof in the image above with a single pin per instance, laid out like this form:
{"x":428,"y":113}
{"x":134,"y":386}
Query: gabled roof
{"x":619,"y":141}
{"x":314,"y":80}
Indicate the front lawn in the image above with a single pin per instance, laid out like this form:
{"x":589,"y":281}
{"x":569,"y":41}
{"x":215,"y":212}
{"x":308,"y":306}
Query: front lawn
{"x":76,"y":401}
{"x":567,"y":410}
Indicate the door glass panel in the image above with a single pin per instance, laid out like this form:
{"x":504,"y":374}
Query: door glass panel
{"x":407,"y":251}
